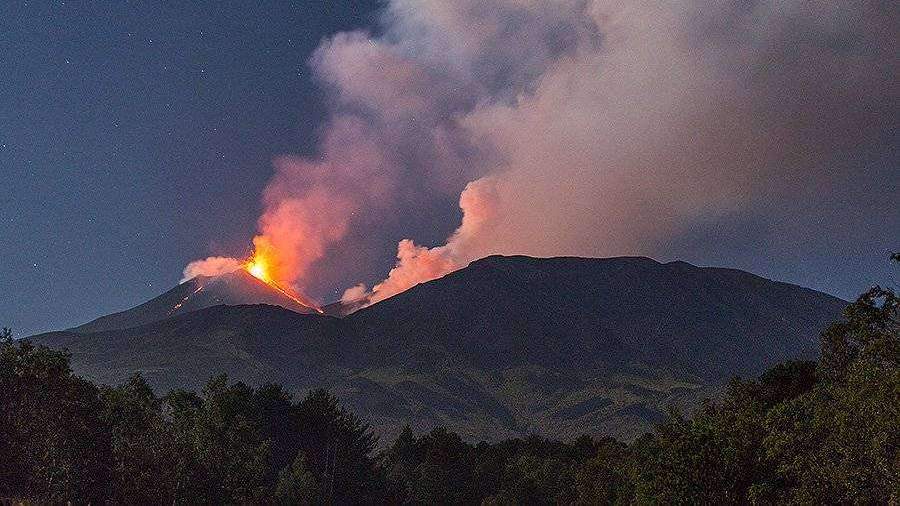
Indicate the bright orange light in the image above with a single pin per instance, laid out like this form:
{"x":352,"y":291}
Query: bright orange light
{"x":259,"y":268}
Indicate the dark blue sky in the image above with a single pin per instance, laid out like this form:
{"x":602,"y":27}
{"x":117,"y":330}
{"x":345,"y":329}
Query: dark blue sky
{"x":136,"y":138}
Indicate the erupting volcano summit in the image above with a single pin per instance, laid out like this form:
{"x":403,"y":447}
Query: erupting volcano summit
{"x":243,"y":286}
{"x":258,"y":267}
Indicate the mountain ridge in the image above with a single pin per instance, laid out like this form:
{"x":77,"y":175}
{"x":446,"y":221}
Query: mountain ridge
{"x":504,"y":347}
{"x":234,"y":288}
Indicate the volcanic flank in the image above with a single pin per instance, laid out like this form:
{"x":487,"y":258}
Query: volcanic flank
{"x":234,"y":288}
{"x":505,"y":347}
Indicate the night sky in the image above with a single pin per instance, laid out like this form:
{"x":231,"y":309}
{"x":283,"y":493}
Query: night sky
{"x":136,"y":138}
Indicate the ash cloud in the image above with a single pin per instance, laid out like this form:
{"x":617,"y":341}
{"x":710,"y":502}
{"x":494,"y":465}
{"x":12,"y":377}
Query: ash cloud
{"x":586,"y":127}
{"x":614,"y":127}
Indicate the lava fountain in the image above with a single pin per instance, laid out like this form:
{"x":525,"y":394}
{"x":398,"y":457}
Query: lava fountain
{"x":259,"y":267}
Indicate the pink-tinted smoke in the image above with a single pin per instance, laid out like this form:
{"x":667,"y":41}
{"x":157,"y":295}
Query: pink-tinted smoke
{"x":582,"y":127}
{"x":418,"y":264}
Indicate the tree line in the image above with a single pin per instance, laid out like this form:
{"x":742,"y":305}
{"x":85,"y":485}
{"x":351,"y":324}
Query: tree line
{"x":803,"y":432}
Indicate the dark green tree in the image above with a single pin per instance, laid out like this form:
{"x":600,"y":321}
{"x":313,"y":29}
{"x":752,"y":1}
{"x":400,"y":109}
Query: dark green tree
{"x":841,"y":441}
{"x":339,"y":449}
{"x":435,"y":468}
{"x":297,"y":484}
{"x":143,"y":444}
{"x":603,"y":479}
{"x":532,"y":479}
{"x":278,"y":424}
{"x":229,"y":443}
{"x":718,"y":455}
{"x":54,"y":442}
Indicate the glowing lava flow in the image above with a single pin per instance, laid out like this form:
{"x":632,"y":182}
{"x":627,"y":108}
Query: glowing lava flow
{"x":259,"y":269}
{"x":176,"y":307}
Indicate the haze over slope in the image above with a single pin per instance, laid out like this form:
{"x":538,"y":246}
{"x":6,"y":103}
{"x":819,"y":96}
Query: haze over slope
{"x":506,"y":346}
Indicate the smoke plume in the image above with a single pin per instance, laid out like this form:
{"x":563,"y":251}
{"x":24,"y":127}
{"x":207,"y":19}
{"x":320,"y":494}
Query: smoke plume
{"x":417,"y":264}
{"x":210,"y":266}
{"x":585,"y":127}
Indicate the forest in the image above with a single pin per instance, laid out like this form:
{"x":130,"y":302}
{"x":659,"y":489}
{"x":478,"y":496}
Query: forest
{"x":802,"y":432}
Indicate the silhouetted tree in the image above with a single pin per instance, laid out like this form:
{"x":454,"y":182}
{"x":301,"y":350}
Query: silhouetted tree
{"x":338,"y":447}
{"x":841,"y":441}
{"x":55,"y":446}
{"x":603,"y":478}
{"x":142,"y":443}
{"x":297,"y":485}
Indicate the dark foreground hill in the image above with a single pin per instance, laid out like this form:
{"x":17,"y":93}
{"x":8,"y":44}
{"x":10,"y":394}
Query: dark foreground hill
{"x":506,"y":346}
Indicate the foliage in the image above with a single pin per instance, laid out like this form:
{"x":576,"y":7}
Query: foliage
{"x":296,"y":484}
{"x":841,"y":442}
{"x":62,"y":439}
{"x":52,"y":438}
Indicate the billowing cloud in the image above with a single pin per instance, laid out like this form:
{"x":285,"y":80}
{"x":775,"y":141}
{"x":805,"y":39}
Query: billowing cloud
{"x":585,"y":127}
{"x":417,"y":264}
{"x":210,"y":266}
{"x":682,"y":112}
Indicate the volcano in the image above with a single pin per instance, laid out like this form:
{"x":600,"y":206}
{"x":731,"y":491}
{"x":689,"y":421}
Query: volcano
{"x":505,"y":347}
{"x":232,"y":289}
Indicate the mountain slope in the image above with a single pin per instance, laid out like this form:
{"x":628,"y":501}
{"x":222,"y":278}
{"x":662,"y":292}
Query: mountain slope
{"x":254,"y":343}
{"x":238,"y":287}
{"x":504,"y":347}
{"x":568,"y":312}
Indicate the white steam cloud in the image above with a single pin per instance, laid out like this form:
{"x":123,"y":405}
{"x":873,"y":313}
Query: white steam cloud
{"x":583,"y":127}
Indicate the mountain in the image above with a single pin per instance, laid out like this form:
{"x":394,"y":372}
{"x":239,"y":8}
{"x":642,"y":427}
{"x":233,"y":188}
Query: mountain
{"x":564,"y":312}
{"x":238,"y":287}
{"x":504,"y":347}
{"x":253,"y":343}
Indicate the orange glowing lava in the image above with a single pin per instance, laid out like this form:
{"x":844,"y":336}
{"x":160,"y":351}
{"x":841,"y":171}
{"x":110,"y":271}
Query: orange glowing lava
{"x":176,"y":307}
{"x":259,"y":267}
